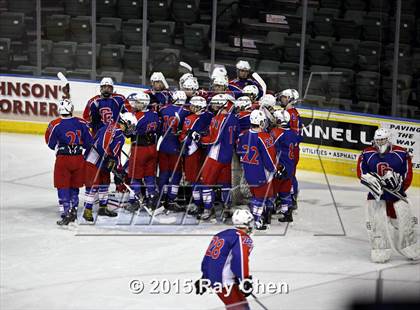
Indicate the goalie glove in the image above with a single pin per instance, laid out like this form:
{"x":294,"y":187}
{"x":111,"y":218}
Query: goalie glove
{"x":392,"y":181}
{"x":373,"y":183}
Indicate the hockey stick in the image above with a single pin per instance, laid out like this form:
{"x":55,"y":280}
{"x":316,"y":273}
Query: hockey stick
{"x":260,"y":81}
{"x":259,"y":302}
{"x":186,"y":66}
{"x":66,"y":87}
{"x":138,"y":198}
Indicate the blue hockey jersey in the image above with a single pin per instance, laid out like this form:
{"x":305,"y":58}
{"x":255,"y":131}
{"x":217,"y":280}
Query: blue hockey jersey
{"x":257,"y":156}
{"x":286,"y":141}
{"x":397,"y":159}
{"x":193,"y":122}
{"x":147,"y":122}
{"x":223,"y":132}
{"x":101,"y":111}
{"x":226,"y":258}
{"x":237,"y":85}
{"x":171,"y":119}
{"x":108,"y":144}
{"x":68,"y":131}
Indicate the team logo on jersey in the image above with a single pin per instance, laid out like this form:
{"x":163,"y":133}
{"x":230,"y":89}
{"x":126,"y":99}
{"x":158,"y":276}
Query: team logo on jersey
{"x":106,"y":115}
{"x":382,"y":168}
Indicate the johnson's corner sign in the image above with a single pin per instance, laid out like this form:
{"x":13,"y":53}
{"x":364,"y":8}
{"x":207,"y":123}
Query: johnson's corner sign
{"x":36,"y":98}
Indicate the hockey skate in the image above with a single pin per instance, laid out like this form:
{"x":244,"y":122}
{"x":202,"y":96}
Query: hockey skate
{"x":286,"y":217}
{"x":195,"y":210}
{"x":294,"y":202}
{"x":88,"y":215}
{"x":209,"y":215}
{"x":104,"y":211}
{"x":152,"y":201}
{"x":260,"y":225}
{"x":175,"y":207}
{"x":70,"y":217}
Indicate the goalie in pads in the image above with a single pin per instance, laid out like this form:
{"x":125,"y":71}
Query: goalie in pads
{"x":386,"y":170}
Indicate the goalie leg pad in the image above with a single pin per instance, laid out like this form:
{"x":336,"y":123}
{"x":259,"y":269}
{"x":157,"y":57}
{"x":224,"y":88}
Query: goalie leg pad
{"x":377,"y":233}
{"x":407,"y":238}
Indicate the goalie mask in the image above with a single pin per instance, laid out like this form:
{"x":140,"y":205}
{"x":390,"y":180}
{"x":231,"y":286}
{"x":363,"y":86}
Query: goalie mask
{"x":243,"y":104}
{"x":282,"y":118}
{"x":287,"y":96}
{"x":382,"y":140}
{"x":197,"y":104}
{"x":139,"y":101}
{"x":251,"y":91}
{"x":258,"y":118}
{"x":65,"y":107}
{"x":107,"y":87}
{"x":243,"y":219}
{"x":128,"y":123}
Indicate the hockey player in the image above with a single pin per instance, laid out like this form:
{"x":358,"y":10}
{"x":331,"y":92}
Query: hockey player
{"x":183,"y":78}
{"x":243,"y":106}
{"x":104,"y":157}
{"x":194,"y":154}
{"x":243,"y":78}
{"x":68,"y":136}
{"x":190,"y":88}
{"x":143,"y":156}
{"x":285,"y":141}
{"x":258,"y":158}
{"x":252,"y":92}
{"x":226,"y":263}
{"x":159,"y":93}
{"x":287,"y":99}
{"x":386,"y":170}
{"x":105,"y":108}
{"x":216,"y":170}
{"x":171,"y":118}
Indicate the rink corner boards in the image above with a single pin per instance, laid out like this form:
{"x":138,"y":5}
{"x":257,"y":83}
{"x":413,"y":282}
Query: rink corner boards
{"x":332,"y":141}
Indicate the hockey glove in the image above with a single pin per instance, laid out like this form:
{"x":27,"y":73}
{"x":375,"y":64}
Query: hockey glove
{"x":280,"y":173}
{"x":373,"y":183}
{"x":201,"y":286}
{"x":392,"y":181}
{"x":246,"y":286}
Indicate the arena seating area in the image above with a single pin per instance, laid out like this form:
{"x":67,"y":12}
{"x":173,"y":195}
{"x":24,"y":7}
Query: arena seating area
{"x":351,"y":38}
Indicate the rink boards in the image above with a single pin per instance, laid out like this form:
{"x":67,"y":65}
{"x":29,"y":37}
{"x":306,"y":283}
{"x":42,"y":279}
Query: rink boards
{"x":332,"y":141}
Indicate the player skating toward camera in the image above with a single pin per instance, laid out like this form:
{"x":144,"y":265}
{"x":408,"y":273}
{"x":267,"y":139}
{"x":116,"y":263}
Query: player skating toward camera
{"x":106,"y":107}
{"x":386,"y":170}
{"x":143,"y":156}
{"x":68,"y":136}
{"x":103,"y":158}
{"x":258,"y":159}
{"x":226,"y":263}
{"x":285,"y":142}
{"x":287,"y":100}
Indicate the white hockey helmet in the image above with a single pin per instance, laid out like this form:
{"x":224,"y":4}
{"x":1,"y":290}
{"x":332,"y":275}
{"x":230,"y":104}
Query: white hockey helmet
{"x":291,"y":95}
{"x":159,"y":77}
{"x":197,"y":104}
{"x":382,"y":140}
{"x":243,"y":103}
{"x":268,"y":101}
{"x":243,"y":65}
{"x":65,"y":107}
{"x":139,"y":101}
{"x":103,"y":85}
{"x":218,"y":101}
{"x":221,"y":80}
{"x":129,"y":121}
{"x":242,"y":218}
{"x":183,"y":78}
{"x":218,"y":71}
{"x":179,"y":98}
{"x":257,"y":117}
{"x":190,"y":84}
{"x":251,"y":90}
{"x":282,"y":117}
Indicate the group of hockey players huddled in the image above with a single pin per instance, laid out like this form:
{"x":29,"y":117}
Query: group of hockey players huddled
{"x":189,"y":133}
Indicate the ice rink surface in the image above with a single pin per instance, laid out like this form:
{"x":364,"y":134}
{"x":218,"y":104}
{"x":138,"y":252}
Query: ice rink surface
{"x":90,"y":267}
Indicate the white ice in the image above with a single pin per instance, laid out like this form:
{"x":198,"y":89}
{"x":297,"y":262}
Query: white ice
{"x":90,"y":267}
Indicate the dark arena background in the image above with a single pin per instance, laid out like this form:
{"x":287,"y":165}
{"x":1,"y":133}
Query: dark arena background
{"x":355,"y":65}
